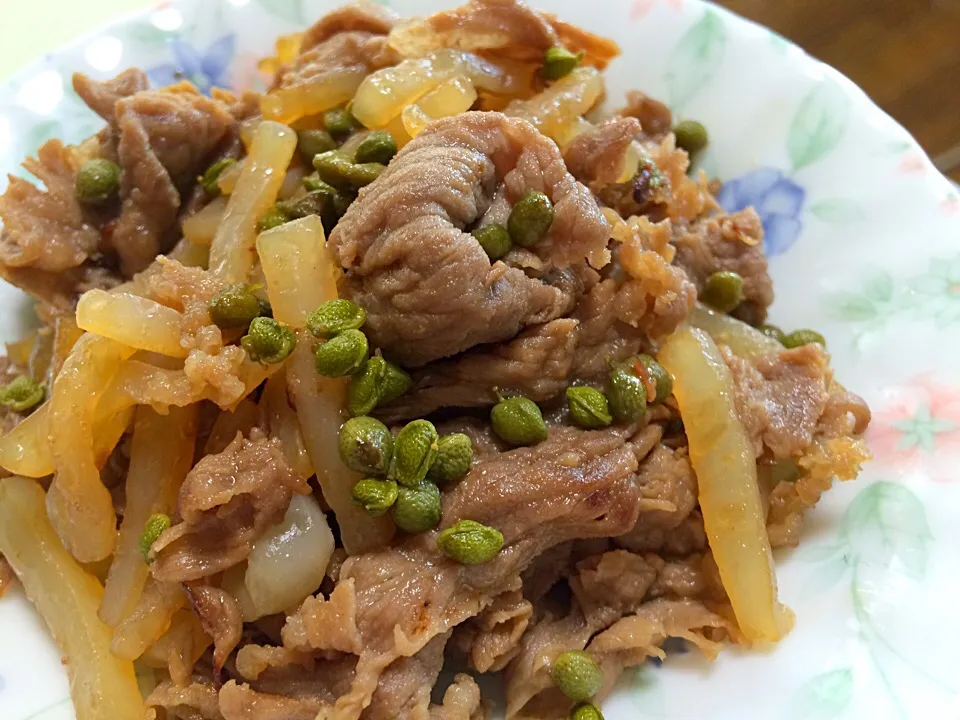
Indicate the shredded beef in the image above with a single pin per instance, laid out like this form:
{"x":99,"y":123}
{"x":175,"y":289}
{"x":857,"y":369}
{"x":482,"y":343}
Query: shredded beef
{"x":240,"y":702}
{"x":427,"y":286}
{"x":225,"y":504}
{"x":196,"y":701}
{"x":655,"y":117}
{"x":461,"y":701}
{"x":220,"y":617}
{"x":596,"y":157}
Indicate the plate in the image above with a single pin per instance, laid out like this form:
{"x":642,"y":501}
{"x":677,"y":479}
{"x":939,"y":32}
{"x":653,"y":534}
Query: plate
{"x":864,"y":242}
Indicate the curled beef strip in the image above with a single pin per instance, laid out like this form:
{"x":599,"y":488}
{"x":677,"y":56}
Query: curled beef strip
{"x":596,"y":156}
{"x":225,"y":504}
{"x":655,"y":117}
{"x":220,"y":617}
{"x":428,"y":287}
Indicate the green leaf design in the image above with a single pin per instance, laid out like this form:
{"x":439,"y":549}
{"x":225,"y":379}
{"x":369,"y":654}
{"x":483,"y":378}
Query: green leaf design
{"x":839,"y":211}
{"x":879,"y":286}
{"x":695,"y":59}
{"x":827,"y":574}
{"x":146,"y":34}
{"x":289,"y":10}
{"x":818,"y":124}
{"x":887,"y":521}
{"x":823,"y":697}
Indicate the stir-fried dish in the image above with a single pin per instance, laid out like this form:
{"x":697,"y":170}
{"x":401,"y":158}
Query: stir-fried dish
{"x":419,"y":360}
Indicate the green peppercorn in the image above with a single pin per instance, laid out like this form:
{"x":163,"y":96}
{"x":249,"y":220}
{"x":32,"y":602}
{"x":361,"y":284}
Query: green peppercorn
{"x":772,"y":331}
{"x":518,"y":421}
{"x":376,"y":496}
{"x":626,"y":394}
{"x":723,"y":291}
{"x":588,"y":407}
{"x":339,"y":122}
{"x":470,"y":543}
{"x":366,"y":445}
{"x":799,"y":338}
{"x":530,"y":219}
{"x":21,"y":394}
{"x":559,"y":62}
{"x":274,"y":217}
{"x":342,"y":355}
{"x":313,"y":183}
{"x":336,"y":169}
{"x":454,"y":457}
{"x":311,"y":143}
{"x":586,"y":711}
{"x":98,"y":181}
{"x":208,"y":181}
{"x":377,"y":147}
{"x":414,"y":451}
{"x":335,"y":316}
{"x":577,"y":675}
{"x":234,"y":307}
{"x":267,"y":341}
{"x":691,"y":136}
{"x":379,"y":382}
{"x":494,"y":239}
{"x":152,"y":529}
{"x":661,"y":378}
{"x":418,"y":508}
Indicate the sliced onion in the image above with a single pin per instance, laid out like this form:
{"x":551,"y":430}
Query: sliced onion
{"x":289,"y":561}
{"x":722,"y":457}
{"x":742,"y":339}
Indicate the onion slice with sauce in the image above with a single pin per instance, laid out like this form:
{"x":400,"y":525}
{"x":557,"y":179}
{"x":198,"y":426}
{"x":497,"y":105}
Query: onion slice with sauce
{"x":723,"y":460}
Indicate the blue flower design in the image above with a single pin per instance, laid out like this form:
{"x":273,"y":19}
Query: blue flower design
{"x":205,"y":70}
{"x":777,"y":199}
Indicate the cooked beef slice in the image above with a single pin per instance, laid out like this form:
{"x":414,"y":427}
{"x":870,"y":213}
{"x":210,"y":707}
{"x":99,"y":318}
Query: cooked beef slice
{"x":404,"y":688}
{"x":226,"y":502}
{"x":655,"y":117}
{"x":428,"y":288}
{"x":354,"y":36}
{"x":731,"y":243}
{"x":220,"y":617}
{"x":240,"y":702}
{"x":596,"y":156}
{"x":577,"y":484}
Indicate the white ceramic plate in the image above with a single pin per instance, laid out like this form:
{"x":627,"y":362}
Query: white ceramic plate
{"x":864,"y":240}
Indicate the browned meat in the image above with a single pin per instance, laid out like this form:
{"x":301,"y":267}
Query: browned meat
{"x":781,"y":397}
{"x":359,"y":17}
{"x":240,"y":702}
{"x":221,"y":619}
{"x":196,"y":701}
{"x":165,"y":140}
{"x":46,"y":229}
{"x":536,"y":364}
{"x":354,"y":36}
{"x":596,"y":156}
{"x":505,"y":29}
{"x":617,"y":579}
{"x":429,"y":289}
{"x":102,"y":97}
{"x":731,"y":243}
{"x":492,"y":638}
{"x":325,"y":624}
{"x":404,"y":688}
{"x":576,"y":484}
{"x":655,"y":117}
{"x":225,"y":504}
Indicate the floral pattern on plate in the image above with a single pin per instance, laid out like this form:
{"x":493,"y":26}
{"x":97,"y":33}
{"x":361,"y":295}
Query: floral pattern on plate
{"x":862,"y":234}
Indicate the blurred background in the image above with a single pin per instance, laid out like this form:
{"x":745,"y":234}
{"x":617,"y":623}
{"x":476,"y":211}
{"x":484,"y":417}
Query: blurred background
{"x":904,"y":53}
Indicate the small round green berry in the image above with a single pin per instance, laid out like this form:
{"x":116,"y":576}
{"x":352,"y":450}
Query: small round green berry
{"x":494,"y":239}
{"x":375,"y":496}
{"x":518,"y":421}
{"x":470,"y":543}
{"x":577,"y":675}
{"x":267,"y":341}
{"x":418,"y":508}
{"x":799,"y":338}
{"x":454,"y":457}
{"x":588,"y":407}
{"x":335,"y":316}
{"x":344,"y":354}
{"x":234,"y":307}
{"x":366,"y":445}
{"x":530,"y":219}
{"x":152,"y":529}
{"x":414,"y":451}
{"x":98,"y":181}
{"x":377,"y":147}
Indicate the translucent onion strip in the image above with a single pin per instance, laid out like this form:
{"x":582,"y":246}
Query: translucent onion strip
{"x":79,"y":506}
{"x":722,"y":457}
{"x":452,"y":97}
{"x":744,"y":340}
{"x":298,"y":268}
{"x":312,"y":96}
{"x":136,"y":321}
{"x":554,"y":110}
{"x":201,"y":227}
{"x":302,"y":273}
{"x":160,"y":457}
{"x":231,"y":252}
{"x":102,"y":686}
{"x":25,"y":450}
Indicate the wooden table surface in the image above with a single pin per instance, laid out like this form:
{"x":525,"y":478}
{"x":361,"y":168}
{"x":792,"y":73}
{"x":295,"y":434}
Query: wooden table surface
{"x":904,"y":53}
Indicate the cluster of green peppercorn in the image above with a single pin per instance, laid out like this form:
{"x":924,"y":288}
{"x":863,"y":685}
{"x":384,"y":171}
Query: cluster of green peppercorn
{"x":528,"y":223}
{"x":338,"y":174}
{"x":237,"y":307}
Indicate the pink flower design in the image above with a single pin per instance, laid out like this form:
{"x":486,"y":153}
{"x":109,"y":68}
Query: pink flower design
{"x":912,"y":162}
{"x":917,"y":429}
{"x":951,"y":204}
{"x":639,"y":8}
